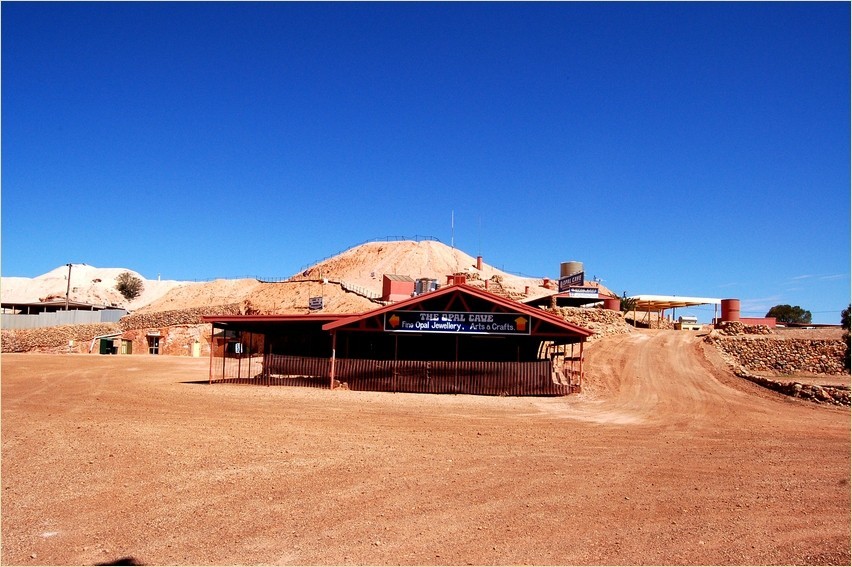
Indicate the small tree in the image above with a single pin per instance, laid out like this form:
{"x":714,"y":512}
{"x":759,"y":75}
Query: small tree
{"x":789,"y":314}
{"x":627,"y":303}
{"x":128,"y":285}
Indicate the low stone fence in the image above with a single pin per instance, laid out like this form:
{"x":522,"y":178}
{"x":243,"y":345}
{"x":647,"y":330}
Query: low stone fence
{"x":63,"y":338}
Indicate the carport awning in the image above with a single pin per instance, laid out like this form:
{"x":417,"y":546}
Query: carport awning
{"x":662,"y":302}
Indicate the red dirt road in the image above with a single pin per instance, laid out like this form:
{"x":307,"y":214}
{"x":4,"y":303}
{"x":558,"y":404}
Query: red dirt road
{"x":664,"y":459}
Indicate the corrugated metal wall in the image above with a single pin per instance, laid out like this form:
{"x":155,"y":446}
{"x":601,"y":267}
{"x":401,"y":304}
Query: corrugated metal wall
{"x":74,"y":317}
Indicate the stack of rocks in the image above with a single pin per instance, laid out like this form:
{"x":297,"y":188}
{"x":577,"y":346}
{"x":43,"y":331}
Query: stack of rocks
{"x":602,"y":321}
{"x":733,"y":328}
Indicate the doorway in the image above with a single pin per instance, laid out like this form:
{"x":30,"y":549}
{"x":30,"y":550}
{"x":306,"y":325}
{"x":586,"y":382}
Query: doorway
{"x":153,"y":345}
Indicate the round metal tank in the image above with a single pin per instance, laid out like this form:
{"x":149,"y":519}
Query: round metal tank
{"x":730,"y":310}
{"x":612,"y":303}
{"x":570,"y":268}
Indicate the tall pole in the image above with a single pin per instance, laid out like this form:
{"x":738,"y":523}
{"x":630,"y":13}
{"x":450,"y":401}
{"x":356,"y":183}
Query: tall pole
{"x":68,"y":287}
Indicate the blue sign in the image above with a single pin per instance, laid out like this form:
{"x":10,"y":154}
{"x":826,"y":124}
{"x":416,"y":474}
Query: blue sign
{"x":462,"y":322}
{"x":571,"y":281}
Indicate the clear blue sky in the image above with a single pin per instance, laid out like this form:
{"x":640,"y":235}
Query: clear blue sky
{"x":674,"y":148}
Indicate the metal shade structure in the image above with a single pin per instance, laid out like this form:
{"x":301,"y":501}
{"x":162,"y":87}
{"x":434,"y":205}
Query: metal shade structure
{"x":663,"y":302}
{"x":659,"y":303}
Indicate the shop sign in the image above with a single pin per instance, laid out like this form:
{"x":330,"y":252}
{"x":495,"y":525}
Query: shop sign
{"x":315,"y":303}
{"x":583,"y":292}
{"x":571,"y":281}
{"x":461,"y":322}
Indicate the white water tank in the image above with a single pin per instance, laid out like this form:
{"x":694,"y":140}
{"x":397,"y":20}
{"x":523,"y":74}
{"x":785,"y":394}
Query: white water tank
{"x":570,"y":268}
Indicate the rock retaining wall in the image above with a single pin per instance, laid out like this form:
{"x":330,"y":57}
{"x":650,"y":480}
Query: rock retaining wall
{"x":836,"y":395}
{"x":63,"y":338}
{"x":747,"y":355}
{"x":785,"y":356}
{"x":162,"y":319}
{"x":177,"y":340}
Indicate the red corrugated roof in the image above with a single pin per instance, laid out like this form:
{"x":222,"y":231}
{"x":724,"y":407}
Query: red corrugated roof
{"x":509,"y":304}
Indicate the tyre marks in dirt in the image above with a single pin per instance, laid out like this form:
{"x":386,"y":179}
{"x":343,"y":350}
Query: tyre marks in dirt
{"x":661,"y":378}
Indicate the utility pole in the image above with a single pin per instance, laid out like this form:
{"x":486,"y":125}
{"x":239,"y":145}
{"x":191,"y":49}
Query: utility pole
{"x":68,"y":288}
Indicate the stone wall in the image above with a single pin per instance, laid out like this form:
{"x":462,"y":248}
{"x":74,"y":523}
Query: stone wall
{"x":784,"y":356}
{"x":179,"y":330}
{"x":749,"y":354}
{"x":177,"y":340}
{"x":63,"y":338}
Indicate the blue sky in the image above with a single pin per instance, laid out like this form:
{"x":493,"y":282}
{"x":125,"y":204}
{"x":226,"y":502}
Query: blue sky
{"x":675,"y":148}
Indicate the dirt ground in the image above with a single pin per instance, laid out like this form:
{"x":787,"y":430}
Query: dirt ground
{"x":664,"y":459}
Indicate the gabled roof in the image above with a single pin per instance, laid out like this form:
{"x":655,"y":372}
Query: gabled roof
{"x":502,"y":303}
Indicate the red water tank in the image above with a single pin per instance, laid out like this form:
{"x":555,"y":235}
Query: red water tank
{"x":730,"y":310}
{"x":612,"y":303}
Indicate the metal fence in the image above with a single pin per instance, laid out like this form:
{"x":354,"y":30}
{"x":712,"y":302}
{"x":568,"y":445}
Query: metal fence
{"x":237,"y":369}
{"x":440,"y":377}
{"x":428,"y":377}
{"x":56,"y":318}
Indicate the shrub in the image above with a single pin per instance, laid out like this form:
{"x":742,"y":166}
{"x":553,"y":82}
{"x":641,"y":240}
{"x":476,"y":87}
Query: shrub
{"x":129,"y":285}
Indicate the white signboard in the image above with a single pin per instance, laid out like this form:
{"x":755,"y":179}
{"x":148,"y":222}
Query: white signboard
{"x":583,"y":292}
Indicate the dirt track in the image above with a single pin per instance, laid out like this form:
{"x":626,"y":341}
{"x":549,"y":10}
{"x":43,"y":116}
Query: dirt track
{"x":665,"y":459}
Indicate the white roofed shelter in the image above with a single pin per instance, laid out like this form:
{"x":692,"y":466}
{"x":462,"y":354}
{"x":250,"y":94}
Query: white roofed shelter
{"x":659,"y":303}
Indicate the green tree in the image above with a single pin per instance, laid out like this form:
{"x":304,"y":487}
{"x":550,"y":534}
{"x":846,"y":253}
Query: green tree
{"x":789,"y":314}
{"x":129,"y":285}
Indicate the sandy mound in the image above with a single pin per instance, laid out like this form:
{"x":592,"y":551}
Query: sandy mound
{"x":365,"y":264}
{"x":88,"y":285}
{"x":361,"y":266}
{"x":191,"y":294}
{"x":292,"y":297}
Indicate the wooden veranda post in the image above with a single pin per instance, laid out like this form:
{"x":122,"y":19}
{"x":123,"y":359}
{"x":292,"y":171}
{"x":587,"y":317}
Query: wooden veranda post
{"x":212,"y":340}
{"x":333,"y":357}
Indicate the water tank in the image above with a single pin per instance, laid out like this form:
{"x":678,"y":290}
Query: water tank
{"x":730,"y":310}
{"x":570,"y":268}
{"x":612,"y":303}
